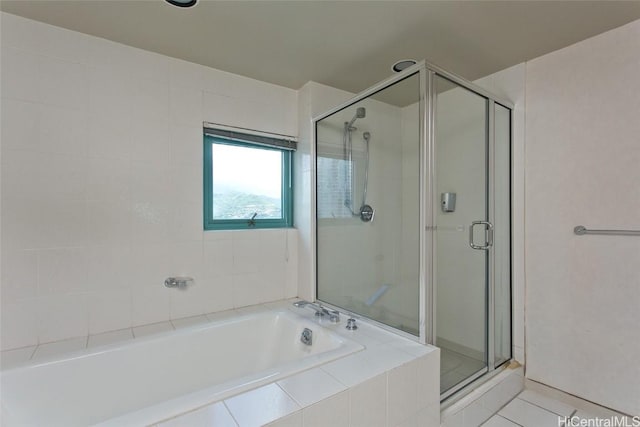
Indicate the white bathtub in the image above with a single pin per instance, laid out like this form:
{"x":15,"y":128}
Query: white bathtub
{"x":150,"y":379}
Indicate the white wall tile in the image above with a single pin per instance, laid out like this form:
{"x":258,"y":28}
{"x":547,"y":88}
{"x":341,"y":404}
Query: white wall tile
{"x":186,"y":163}
{"x":19,"y":323}
{"x":186,"y":260}
{"x":113,"y":141}
{"x":429,"y":416}
{"x":247,"y":253}
{"x":579,"y":146}
{"x":109,"y":267}
{"x":151,"y":266}
{"x":59,"y":176}
{"x":187,"y":302}
{"x":186,"y":222}
{"x":115,"y":135}
{"x":428,"y":377}
{"x":185,"y":106}
{"x":150,"y":101}
{"x":110,"y":95}
{"x":20,"y":124}
{"x":402,"y":393}
{"x":62,"y":130}
{"x":62,"y":271}
{"x":20,"y":72}
{"x":150,"y":304}
{"x":19,"y":274}
{"x":369,"y":403}
{"x":218,"y":293}
{"x":186,"y":184}
{"x":109,"y":310}
{"x":23,"y":227}
{"x":150,"y":220}
{"x":150,"y":142}
{"x":291,"y":274}
{"x":333,"y":411}
{"x":245,"y":287}
{"x":63,"y":83}
{"x":62,"y":316}
{"x":108,"y":180}
{"x":108,"y":223}
{"x":218,"y":258}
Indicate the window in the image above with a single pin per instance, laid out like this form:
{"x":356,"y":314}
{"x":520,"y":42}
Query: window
{"x":247,"y":181}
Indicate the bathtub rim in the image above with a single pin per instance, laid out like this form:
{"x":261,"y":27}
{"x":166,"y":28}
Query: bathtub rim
{"x":194,"y":400}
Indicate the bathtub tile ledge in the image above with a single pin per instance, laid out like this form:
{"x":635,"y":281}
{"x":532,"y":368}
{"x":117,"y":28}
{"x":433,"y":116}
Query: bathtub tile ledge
{"x":261,"y":406}
{"x":213,"y":415}
{"x":310,"y":387}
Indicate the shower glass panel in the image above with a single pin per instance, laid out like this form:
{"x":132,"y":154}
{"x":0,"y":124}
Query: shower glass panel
{"x":461,"y":237}
{"x":368,"y":213}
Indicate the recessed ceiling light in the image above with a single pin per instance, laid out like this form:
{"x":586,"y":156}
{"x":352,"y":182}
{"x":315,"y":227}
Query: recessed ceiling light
{"x":182,"y":3}
{"x":403,"y":64}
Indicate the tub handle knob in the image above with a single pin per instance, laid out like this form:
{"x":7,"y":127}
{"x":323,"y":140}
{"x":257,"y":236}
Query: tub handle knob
{"x":351,"y":324}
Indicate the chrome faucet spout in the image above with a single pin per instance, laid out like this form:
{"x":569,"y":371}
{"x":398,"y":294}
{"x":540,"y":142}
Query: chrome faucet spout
{"x":334,"y":316}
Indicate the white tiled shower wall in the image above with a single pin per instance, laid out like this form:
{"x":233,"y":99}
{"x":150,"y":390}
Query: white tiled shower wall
{"x":102,"y":187}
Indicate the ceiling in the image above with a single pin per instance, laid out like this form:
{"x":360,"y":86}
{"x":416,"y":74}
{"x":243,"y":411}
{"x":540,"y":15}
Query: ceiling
{"x":345,"y":44}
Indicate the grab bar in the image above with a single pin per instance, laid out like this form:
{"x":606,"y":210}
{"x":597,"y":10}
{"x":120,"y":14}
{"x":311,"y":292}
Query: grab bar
{"x":581,"y":230}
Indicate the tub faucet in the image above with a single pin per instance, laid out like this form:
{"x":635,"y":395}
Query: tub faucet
{"x":334,"y":316}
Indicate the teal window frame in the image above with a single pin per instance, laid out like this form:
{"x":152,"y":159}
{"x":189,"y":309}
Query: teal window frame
{"x":245,"y":224}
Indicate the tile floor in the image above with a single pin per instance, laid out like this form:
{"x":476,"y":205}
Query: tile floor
{"x":534,"y":409}
{"x":455,"y":367}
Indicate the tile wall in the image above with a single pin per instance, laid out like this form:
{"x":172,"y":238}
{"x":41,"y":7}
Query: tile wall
{"x":582,"y":168}
{"x":102,"y":187}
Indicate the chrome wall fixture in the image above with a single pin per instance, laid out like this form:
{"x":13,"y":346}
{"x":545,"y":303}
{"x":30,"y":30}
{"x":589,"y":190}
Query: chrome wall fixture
{"x":178,"y":282}
{"x":581,"y":230}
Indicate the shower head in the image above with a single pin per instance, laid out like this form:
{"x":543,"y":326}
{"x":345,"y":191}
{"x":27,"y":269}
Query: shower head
{"x":361,"y":112}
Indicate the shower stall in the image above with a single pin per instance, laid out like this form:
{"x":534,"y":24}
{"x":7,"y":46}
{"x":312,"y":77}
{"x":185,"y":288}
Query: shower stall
{"x":413,"y":216}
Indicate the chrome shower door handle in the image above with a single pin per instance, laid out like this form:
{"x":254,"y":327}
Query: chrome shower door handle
{"x":489,"y":235}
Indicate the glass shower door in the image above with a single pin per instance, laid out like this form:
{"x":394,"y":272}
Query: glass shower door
{"x":368,"y":206}
{"x":463,"y":233}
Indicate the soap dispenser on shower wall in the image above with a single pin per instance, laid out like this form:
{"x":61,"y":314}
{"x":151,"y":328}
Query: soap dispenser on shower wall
{"x":448,"y":202}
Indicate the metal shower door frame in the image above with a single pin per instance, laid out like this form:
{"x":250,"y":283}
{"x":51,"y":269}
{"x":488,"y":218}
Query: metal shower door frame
{"x":427,"y":105}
